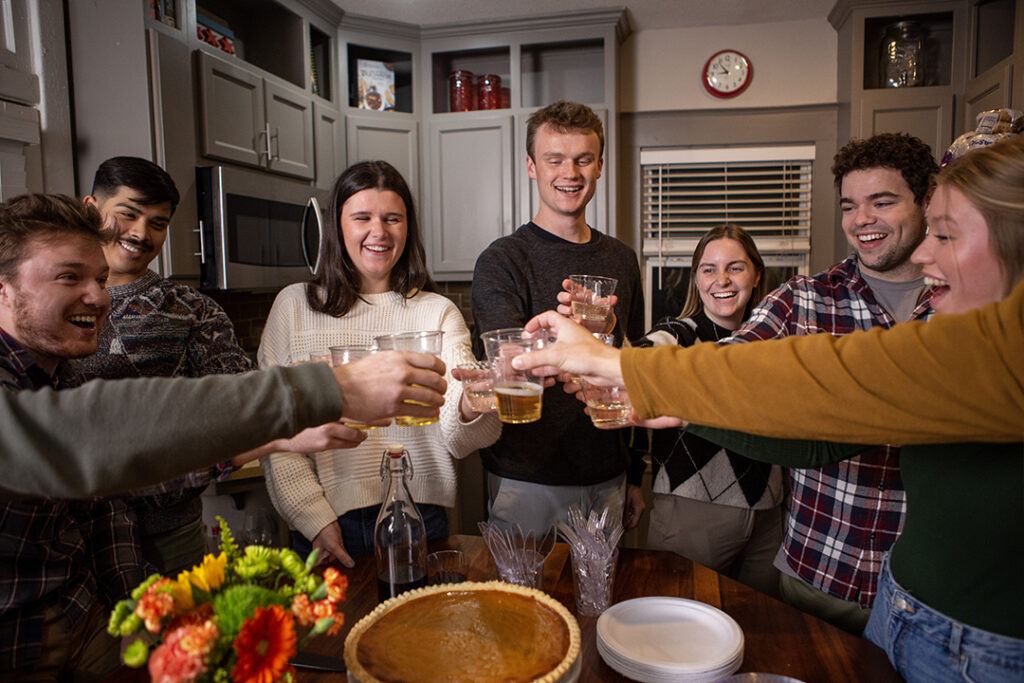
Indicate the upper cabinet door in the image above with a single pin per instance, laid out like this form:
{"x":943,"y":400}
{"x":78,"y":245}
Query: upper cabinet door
{"x":393,"y":140}
{"x":290,"y":131}
{"x":231,"y":101}
{"x":329,"y":138}
{"x":926,"y":115}
{"x":471,"y":190}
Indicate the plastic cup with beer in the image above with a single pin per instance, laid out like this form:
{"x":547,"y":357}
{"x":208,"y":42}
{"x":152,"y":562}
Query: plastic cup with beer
{"x":591,"y":300}
{"x":345,"y":354}
{"x":608,"y":404}
{"x":519,"y":394}
{"x":421,"y":342}
{"x":478,"y":385}
{"x":320,"y":357}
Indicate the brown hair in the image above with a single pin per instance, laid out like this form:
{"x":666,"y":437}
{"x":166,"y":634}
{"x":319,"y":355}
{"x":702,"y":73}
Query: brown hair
{"x":41,"y":217}
{"x":335,"y":287}
{"x":564,"y":117}
{"x":992,"y":179}
{"x":898,"y":151}
{"x":731,"y":231}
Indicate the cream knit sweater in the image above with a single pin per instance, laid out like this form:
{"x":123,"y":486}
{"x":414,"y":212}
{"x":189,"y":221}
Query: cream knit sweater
{"x":311,"y":491}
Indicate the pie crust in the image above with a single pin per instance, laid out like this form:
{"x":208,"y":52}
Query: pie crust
{"x":405,"y":647}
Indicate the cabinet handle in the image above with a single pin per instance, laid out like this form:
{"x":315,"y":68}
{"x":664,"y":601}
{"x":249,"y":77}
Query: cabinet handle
{"x":202,"y":248}
{"x":276,"y":136}
{"x":266,"y":137}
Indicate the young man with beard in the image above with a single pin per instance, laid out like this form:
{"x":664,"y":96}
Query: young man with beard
{"x":57,"y":558}
{"x":535,"y":471}
{"x":841,"y":519}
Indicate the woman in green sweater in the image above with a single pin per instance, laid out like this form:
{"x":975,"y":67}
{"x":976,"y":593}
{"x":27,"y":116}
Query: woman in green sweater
{"x":949,"y":606}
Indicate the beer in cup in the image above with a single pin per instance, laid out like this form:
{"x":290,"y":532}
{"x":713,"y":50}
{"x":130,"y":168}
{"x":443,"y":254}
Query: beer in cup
{"x":421,"y":342}
{"x":519,"y":394}
{"x":591,"y":300}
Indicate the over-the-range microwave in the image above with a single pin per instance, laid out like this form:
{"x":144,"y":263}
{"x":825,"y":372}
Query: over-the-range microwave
{"x":256,"y":231}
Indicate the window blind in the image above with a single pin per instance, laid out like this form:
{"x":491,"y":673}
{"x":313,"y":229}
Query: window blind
{"x":765,"y":190}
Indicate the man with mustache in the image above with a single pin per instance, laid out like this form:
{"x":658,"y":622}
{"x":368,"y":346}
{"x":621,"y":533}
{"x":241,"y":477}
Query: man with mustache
{"x":157,"y":328}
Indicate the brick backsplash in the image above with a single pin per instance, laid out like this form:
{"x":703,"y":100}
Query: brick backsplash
{"x":249,"y":310}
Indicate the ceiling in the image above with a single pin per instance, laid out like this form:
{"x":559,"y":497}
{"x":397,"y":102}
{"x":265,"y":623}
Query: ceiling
{"x":643,"y":14}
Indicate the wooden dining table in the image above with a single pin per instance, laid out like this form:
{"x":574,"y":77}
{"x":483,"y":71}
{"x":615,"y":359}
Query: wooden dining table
{"x":778,"y":639}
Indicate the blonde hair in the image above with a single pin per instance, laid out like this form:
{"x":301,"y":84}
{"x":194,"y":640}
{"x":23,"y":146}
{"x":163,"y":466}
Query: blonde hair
{"x":992,"y":179}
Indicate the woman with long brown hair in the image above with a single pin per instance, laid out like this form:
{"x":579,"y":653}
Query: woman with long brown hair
{"x":373,"y":281}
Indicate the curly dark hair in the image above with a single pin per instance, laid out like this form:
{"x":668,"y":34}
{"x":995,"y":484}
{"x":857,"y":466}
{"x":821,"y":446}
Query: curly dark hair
{"x":898,"y":151}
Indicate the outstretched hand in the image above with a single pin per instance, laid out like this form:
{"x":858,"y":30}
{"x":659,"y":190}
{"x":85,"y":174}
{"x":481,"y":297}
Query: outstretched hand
{"x":390,"y":383}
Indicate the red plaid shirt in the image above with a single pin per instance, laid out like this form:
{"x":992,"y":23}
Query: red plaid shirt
{"x":56,"y":552}
{"x":841,"y":518}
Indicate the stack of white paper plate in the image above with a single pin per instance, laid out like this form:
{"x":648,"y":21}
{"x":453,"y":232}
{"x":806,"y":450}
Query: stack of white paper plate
{"x":669,"y":639}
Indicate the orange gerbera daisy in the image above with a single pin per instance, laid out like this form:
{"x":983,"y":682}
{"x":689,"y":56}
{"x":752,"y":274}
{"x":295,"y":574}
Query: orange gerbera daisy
{"x":264,"y":645}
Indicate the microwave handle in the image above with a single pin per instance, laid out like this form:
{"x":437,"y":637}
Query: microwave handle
{"x":312,"y":206}
{"x":202,"y":247}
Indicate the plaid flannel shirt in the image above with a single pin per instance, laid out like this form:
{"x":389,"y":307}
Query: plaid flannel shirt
{"x":843,"y":517}
{"x":55,"y":552}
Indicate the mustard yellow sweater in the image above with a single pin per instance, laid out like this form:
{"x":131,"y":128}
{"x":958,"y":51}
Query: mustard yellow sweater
{"x":956,"y":378}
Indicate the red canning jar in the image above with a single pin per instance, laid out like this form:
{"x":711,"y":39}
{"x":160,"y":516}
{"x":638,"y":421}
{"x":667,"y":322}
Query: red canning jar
{"x":488,"y":92}
{"x":460,"y":91}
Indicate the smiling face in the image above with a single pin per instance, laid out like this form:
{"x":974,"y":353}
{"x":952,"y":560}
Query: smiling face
{"x":57,"y":301}
{"x":374,"y":230}
{"x":566,"y":167}
{"x":881,"y":222}
{"x":725,"y":280}
{"x":957,"y":256}
{"x":137,"y":232}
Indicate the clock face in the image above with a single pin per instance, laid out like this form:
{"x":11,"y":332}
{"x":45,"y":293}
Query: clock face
{"x":727,"y":73}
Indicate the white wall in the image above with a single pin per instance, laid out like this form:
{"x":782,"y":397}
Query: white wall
{"x":794,"y":64}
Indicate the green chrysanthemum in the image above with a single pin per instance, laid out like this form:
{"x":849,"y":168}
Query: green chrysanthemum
{"x":237,"y":603}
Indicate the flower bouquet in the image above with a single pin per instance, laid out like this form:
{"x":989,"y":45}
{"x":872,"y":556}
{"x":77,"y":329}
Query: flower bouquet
{"x":232,"y":618}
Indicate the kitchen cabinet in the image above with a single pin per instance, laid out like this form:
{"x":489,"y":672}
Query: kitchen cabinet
{"x":972,"y":61}
{"x":328,"y":138}
{"x":472,"y":176}
{"x":394,"y":140}
{"x":471,"y":198}
{"x":250,"y":120}
{"x":928,"y":110}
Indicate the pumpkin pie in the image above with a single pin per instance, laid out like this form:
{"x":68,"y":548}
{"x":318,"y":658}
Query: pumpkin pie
{"x":465,"y":632}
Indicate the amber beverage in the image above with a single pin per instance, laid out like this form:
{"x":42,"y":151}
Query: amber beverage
{"x":422,"y":342}
{"x":519,"y":402}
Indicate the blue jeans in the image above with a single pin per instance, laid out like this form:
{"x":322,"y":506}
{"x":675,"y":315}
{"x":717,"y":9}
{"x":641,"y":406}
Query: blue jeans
{"x":927,"y":646}
{"x":357,"y":529}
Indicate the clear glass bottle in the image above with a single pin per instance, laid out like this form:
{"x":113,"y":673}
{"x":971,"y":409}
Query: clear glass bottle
{"x":399,"y":537}
{"x":901,"y":62}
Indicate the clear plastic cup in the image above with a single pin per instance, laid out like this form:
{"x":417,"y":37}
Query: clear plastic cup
{"x":591,"y":300}
{"x":519,"y":395}
{"x":421,"y":342}
{"x":345,"y":354}
{"x":478,"y":385}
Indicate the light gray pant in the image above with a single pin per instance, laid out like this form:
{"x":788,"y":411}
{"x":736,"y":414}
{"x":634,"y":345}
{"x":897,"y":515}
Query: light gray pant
{"x":536,"y":507}
{"x":738,"y":542}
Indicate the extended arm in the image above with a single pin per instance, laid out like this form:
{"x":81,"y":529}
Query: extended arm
{"x":788,"y":452}
{"x":956,"y":378}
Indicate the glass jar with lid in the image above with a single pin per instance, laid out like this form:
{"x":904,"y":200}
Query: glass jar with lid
{"x":461,"y":95}
{"x":901,"y":62}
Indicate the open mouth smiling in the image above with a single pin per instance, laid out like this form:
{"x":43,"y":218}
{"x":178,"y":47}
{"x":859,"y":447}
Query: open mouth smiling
{"x":85,"y":322}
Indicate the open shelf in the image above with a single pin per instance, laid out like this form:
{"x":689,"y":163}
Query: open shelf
{"x":265,"y":34}
{"x":479,"y":62}
{"x":388,"y":72}
{"x":320,"y":63}
{"x":993,"y":30}
{"x":562,"y":71}
{"x":937,"y":55}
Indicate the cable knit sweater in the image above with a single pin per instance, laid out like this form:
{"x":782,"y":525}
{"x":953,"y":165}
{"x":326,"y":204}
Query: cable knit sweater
{"x":310,"y":492}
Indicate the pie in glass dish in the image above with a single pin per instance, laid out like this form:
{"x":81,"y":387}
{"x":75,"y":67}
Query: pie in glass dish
{"x":466,"y":632}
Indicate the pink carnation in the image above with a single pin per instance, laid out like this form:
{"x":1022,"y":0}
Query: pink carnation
{"x":182,"y":656}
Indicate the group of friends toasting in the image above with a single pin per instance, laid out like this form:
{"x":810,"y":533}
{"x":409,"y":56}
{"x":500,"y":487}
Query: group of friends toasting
{"x":814,"y":523}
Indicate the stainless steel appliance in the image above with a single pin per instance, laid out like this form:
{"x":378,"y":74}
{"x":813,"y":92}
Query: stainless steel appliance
{"x":256,"y":231}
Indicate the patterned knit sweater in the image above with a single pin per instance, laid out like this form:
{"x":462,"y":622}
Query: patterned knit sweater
{"x":310,"y":492}
{"x":160,"y":328}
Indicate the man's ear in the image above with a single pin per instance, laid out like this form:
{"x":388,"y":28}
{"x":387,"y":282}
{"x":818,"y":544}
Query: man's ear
{"x":531,"y":167}
{"x":90,"y":200}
